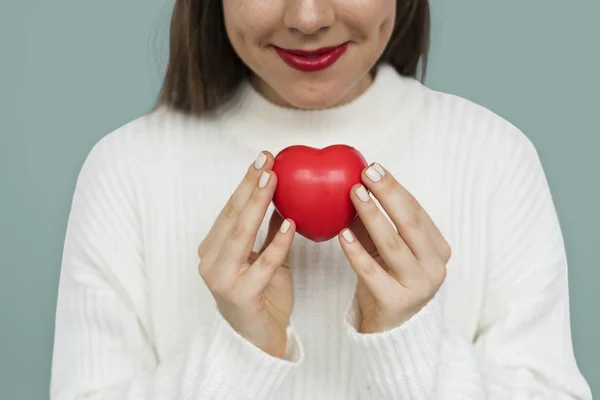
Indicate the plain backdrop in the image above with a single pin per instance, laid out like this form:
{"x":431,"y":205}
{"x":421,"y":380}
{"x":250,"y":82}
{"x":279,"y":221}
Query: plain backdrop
{"x":71,"y":71}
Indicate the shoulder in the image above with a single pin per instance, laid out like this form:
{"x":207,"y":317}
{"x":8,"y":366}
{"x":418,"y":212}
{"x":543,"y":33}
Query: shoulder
{"x":148,"y":133}
{"x":476,"y":129}
{"x":148,"y":141}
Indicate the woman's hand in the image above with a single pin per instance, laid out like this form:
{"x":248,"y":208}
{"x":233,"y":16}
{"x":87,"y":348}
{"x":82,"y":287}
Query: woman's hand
{"x":253,"y":291}
{"x":398,"y":272}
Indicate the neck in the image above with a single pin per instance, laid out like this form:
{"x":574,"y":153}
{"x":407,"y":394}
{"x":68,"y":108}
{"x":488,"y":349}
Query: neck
{"x":269,"y":93}
{"x":384,"y":109}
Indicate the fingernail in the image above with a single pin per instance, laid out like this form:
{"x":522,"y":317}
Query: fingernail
{"x":362,"y":194}
{"x":284,"y":226}
{"x":347,"y":235}
{"x":260,"y":160}
{"x":264,"y":178}
{"x":379,"y":169}
{"x":373,"y":175}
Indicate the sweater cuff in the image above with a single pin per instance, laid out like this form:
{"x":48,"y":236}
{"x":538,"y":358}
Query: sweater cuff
{"x":401,"y":361}
{"x":235,"y":365}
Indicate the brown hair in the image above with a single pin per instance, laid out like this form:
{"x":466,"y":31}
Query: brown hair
{"x":204,"y":69}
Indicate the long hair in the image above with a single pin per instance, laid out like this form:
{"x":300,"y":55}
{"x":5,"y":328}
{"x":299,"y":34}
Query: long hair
{"x":204,"y":69}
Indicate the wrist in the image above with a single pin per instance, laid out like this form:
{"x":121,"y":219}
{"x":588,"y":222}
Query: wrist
{"x":285,"y":346}
{"x":384,"y":323}
{"x":272,"y":339}
{"x":242,"y":368}
{"x":276,"y":345}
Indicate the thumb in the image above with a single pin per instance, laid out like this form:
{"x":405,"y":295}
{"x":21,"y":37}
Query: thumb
{"x":274,"y":223}
{"x":360,"y":231}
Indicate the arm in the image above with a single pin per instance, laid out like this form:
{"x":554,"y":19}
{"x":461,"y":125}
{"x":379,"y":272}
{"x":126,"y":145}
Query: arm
{"x":103,"y":345}
{"x":523,"y":349}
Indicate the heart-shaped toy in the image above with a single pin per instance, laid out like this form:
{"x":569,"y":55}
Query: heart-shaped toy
{"x":314,"y":186}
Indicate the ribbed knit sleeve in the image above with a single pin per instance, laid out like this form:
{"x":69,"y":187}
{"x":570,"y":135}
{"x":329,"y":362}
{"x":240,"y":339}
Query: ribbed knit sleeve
{"x":103,"y":341}
{"x":523,"y":348}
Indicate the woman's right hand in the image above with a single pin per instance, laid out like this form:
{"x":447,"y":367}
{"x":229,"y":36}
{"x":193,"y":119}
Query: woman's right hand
{"x":253,"y":291}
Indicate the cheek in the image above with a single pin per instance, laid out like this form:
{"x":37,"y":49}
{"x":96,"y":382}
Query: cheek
{"x":251,"y":21}
{"x":369,"y":19}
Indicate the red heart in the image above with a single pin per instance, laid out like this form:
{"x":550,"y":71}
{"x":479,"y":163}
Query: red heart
{"x":313,"y":188}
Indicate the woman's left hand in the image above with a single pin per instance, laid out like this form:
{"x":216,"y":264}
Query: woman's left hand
{"x":398,"y":272}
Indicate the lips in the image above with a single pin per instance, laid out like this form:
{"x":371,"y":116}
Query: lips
{"x":311,"y":60}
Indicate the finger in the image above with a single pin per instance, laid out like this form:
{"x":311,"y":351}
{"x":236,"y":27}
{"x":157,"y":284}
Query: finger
{"x":362,"y":235}
{"x":378,"y":281}
{"x":412,"y":221}
{"x":395,"y":253}
{"x":274,"y":223}
{"x":242,"y":236}
{"x":256,"y":278}
{"x":236,"y":203}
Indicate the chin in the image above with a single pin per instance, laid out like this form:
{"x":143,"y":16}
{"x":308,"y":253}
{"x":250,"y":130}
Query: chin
{"x":313,"y":96}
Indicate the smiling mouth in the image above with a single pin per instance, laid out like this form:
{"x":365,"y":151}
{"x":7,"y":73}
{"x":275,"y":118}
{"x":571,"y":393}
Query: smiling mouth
{"x":314,"y":53}
{"x":311,"y":60}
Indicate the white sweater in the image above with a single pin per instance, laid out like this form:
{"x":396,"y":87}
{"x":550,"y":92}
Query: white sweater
{"x":136,"y":321}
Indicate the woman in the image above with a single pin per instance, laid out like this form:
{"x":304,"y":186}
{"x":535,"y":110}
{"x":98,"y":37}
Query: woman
{"x":453,"y":284}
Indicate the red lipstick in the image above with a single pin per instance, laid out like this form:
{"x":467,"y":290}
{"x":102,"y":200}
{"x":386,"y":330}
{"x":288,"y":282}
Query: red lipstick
{"x":311,"y":60}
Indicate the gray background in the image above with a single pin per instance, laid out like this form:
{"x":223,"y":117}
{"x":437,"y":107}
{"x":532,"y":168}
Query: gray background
{"x":72,"y":71}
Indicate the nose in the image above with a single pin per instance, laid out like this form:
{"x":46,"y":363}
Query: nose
{"x":309,"y":16}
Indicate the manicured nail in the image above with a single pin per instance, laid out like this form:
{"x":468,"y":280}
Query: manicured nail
{"x":284,"y":226}
{"x":373,"y":175}
{"x":379,"y":169}
{"x":347,"y":235}
{"x":264,"y":178}
{"x":362,"y":194}
{"x":260,"y":160}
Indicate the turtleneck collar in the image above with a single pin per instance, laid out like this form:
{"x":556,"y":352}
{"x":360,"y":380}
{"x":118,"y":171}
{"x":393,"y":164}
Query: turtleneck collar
{"x":384,"y":109}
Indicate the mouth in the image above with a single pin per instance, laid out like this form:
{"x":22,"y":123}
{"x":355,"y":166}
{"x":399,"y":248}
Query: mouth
{"x":311,"y":60}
